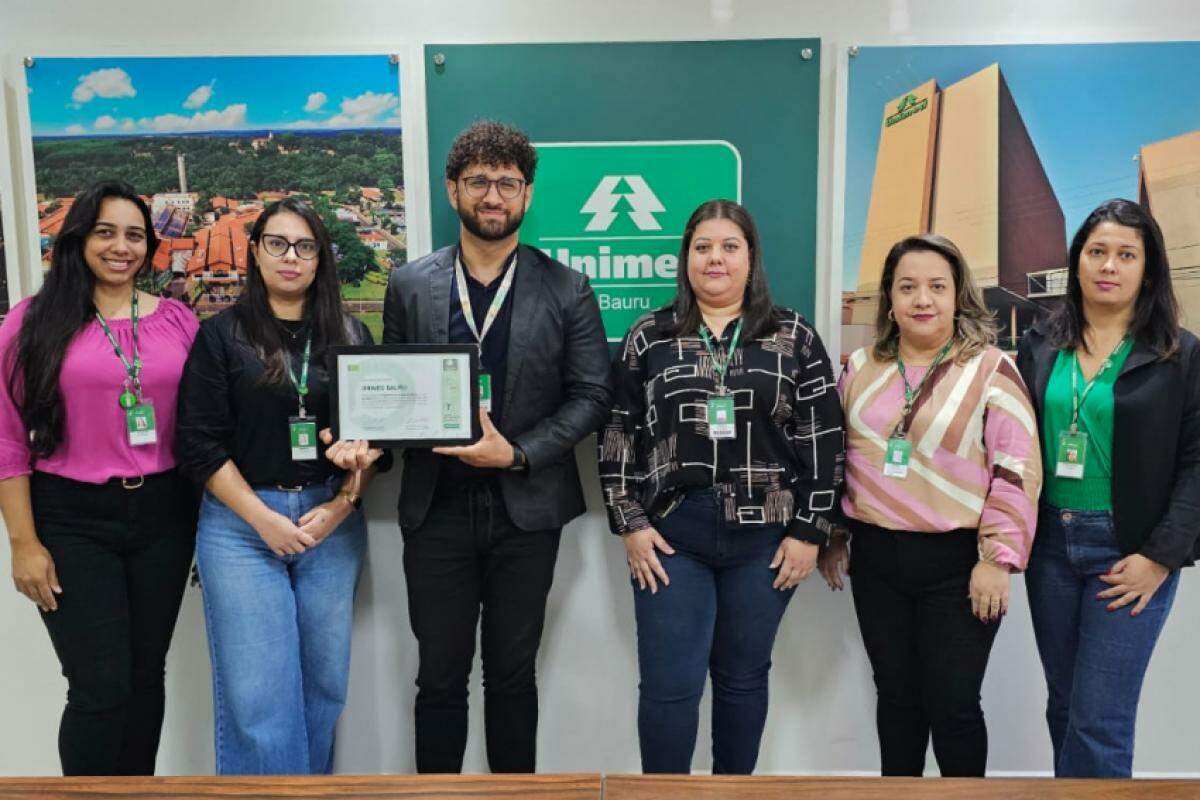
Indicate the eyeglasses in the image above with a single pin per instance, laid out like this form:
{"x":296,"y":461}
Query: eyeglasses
{"x":306,"y":249}
{"x":478,"y":186}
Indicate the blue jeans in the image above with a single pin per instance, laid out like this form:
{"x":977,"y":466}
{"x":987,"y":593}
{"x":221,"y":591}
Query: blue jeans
{"x":278,"y":635}
{"x":1094,"y":659}
{"x":719,"y":616}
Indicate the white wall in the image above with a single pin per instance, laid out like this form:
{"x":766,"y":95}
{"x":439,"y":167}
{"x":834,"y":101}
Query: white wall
{"x":822,"y":711}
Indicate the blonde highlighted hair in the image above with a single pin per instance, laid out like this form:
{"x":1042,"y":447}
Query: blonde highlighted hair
{"x":974,"y":325}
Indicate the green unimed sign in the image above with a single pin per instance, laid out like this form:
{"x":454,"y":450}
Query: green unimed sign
{"x":615,"y":211}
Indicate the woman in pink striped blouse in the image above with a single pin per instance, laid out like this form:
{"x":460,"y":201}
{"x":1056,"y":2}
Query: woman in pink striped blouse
{"x":943,"y":470}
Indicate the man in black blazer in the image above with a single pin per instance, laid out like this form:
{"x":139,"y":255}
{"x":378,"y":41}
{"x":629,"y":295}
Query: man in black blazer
{"x":481,"y":523}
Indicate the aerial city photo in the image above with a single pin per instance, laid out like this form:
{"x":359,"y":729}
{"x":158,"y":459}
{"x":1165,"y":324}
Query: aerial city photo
{"x":209,"y":142}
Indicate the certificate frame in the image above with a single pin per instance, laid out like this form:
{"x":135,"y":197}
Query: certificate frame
{"x":337,"y":358}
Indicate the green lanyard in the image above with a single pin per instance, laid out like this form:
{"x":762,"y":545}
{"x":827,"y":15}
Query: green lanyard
{"x":1077,"y":397}
{"x":721,"y":367}
{"x":910,"y":393}
{"x":131,"y":393}
{"x":301,"y":383}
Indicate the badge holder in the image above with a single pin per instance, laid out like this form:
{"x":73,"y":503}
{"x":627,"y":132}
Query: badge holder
{"x":302,"y":428}
{"x":899,"y":448}
{"x":899,"y":452}
{"x":722,"y":423}
{"x":303,"y":433}
{"x":722,"y":416}
{"x":140,"y":425}
{"x":485,"y":392}
{"x":1072,"y":455}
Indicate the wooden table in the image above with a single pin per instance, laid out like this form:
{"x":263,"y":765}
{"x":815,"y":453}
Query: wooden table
{"x":589,"y":787}
{"x":663,"y":787}
{"x":359,"y":787}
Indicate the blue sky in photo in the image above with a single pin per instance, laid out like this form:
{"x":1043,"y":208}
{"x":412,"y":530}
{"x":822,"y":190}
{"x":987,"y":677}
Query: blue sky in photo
{"x":1088,"y":110}
{"x":109,"y":96}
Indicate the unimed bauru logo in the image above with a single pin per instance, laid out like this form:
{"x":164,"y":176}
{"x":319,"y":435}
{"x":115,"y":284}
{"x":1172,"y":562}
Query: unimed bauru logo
{"x":617,"y":194}
{"x":615,"y":211}
{"x":908,"y":105}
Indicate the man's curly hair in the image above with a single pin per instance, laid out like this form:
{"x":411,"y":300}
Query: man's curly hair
{"x":493,"y":144}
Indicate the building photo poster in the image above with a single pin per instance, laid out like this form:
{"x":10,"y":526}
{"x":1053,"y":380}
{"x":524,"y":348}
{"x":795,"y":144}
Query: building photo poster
{"x":210,"y":141}
{"x":1005,"y":150}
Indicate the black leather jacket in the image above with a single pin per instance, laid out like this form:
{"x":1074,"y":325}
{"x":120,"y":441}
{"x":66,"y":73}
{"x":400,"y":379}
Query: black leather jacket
{"x":1156,"y":444}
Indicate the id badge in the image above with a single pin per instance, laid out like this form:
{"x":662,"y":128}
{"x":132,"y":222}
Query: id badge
{"x":485,"y":391}
{"x":303,"y":432}
{"x":1072,"y":455}
{"x":895,"y":462}
{"x":721,"y":419}
{"x":139,"y":424}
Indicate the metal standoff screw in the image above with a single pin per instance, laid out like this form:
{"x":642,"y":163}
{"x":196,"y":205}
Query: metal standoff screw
{"x":853,"y":51}
{"x":29,"y":62}
{"x":394,"y":58}
{"x":806,"y":54}
{"x":439,"y":59}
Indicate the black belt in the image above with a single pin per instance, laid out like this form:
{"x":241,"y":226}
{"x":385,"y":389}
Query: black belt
{"x":288,"y":487}
{"x":132,"y":482}
{"x":138,"y":481}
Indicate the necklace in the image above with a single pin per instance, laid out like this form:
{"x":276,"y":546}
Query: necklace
{"x":303,"y":326}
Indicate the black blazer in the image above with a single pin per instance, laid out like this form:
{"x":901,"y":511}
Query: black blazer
{"x":1156,"y":444}
{"x":556,"y":388}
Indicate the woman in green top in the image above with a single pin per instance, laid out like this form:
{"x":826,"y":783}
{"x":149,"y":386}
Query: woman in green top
{"x":1116,"y":387}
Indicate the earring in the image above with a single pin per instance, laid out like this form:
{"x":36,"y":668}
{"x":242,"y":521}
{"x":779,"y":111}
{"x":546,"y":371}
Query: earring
{"x":892,"y":314}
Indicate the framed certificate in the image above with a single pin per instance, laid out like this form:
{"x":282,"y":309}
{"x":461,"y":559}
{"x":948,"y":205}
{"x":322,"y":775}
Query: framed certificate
{"x":406,"y":395}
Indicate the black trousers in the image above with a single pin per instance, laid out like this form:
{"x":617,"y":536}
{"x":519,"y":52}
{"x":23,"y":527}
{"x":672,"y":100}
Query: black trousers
{"x":122,"y":558}
{"x":928,"y":652}
{"x":465,"y":558}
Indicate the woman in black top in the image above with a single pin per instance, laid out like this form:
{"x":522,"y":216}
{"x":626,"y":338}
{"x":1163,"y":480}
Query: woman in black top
{"x":720,"y":468}
{"x":280,"y":540}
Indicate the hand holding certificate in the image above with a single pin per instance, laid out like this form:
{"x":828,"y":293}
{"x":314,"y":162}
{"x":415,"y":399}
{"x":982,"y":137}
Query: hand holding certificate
{"x":491,"y":451}
{"x":349,"y":454}
{"x":406,"y":395}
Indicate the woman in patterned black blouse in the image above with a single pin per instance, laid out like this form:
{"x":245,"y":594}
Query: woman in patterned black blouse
{"x":723,"y":456}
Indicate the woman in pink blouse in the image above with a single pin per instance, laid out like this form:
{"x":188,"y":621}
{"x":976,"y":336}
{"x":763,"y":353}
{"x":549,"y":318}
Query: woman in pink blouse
{"x":943,"y":470}
{"x":101,"y":526}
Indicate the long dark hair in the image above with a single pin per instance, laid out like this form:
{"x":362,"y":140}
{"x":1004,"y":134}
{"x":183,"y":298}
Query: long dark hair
{"x":322,"y":303}
{"x":1156,"y":312}
{"x":58,"y":311}
{"x":974,"y":325}
{"x":758,"y":312}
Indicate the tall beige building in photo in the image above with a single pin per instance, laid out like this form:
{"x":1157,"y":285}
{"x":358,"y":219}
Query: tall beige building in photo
{"x":1169,"y":185}
{"x":902,"y":189}
{"x":959,"y":162}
